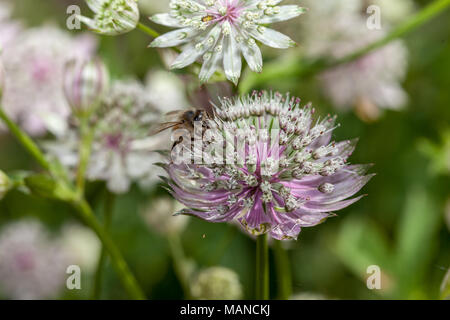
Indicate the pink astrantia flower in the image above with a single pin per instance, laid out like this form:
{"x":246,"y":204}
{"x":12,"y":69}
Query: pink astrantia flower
{"x":32,"y":264}
{"x":335,"y":29}
{"x":286,"y":173}
{"x":34,"y":66}
{"x":8,"y":28}
{"x":222,"y":30}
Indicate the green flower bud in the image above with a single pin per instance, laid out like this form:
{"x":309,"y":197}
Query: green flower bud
{"x":112,"y":17}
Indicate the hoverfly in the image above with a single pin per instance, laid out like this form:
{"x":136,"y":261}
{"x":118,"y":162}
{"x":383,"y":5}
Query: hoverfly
{"x":207,"y":18}
{"x":181,"y":119}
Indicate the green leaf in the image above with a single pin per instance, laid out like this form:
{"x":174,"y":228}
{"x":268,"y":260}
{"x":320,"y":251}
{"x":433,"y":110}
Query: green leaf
{"x":416,"y":241}
{"x":45,"y":186}
{"x":445,"y":286}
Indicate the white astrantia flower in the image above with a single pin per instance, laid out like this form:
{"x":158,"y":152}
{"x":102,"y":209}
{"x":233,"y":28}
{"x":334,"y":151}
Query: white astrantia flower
{"x":159,"y":216}
{"x":34,"y":66}
{"x":83,"y":244}
{"x":220,"y":31}
{"x":334,"y":30}
{"x":112,"y":17}
{"x":122,"y":150}
{"x":217,"y":283}
{"x":8,"y":28}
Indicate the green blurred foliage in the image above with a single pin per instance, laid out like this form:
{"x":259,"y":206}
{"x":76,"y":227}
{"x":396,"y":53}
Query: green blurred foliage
{"x":399,"y":226}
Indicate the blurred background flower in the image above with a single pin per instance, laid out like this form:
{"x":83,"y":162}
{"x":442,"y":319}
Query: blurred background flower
{"x":34,"y":65}
{"x":334,"y":29}
{"x":216,"y":283}
{"x":122,"y":151}
{"x":32,"y":264}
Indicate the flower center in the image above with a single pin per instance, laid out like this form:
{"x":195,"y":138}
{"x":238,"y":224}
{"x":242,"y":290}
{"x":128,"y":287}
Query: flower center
{"x":24,"y":261}
{"x":226,"y":10}
{"x":41,"y":70}
{"x":113,"y":141}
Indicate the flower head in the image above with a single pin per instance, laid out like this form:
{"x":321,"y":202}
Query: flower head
{"x":32,"y":265}
{"x":217,"y":283}
{"x":122,"y":151}
{"x":220,"y":31}
{"x":83,"y":244}
{"x":265,"y":163}
{"x":158,"y":216}
{"x":85,"y":83}
{"x":112,"y":17}
{"x":8,"y":27}
{"x":335,"y":29}
{"x":34,"y":67}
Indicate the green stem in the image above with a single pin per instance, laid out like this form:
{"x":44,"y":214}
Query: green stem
{"x":179,"y":261}
{"x":283,"y":271}
{"x":121,"y":267}
{"x":25,"y":140}
{"x":108,"y":211}
{"x":262,"y":268}
{"x":294,"y":68}
{"x":83,"y":209}
{"x":148,"y":30}
{"x":85,"y":154}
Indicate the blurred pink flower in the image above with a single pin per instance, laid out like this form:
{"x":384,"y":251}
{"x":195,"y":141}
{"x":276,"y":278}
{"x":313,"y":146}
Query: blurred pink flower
{"x":32,"y":265}
{"x":34,"y":64}
{"x":335,"y":29}
{"x":8,"y":27}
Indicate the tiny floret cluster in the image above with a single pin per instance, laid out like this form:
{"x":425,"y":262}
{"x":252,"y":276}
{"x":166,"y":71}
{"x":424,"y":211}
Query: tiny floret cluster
{"x":280,"y":169}
{"x":219,"y":32}
{"x":112,"y":17}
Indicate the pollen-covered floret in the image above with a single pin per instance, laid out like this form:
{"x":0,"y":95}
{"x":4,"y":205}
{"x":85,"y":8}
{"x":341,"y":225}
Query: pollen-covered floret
{"x":265,"y":185}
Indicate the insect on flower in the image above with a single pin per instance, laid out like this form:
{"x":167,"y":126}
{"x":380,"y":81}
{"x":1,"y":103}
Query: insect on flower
{"x":221,"y":31}
{"x":265,"y":163}
{"x":181,"y":119}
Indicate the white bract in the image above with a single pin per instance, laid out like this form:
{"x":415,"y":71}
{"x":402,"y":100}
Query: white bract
{"x":112,"y":17}
{"x":221,"y":31}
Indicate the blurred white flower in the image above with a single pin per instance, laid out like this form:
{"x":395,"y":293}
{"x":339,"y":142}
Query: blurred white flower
{"x":34,"y":65}
{"x":32,"y":265}
{"x":166,"y":91}
{"x":83,"y":246}
{"x":8,"y":28}
{"x":392,"y":12}
{"x":112,"y":17}
{"x":159,"y":216}
{"x":122,"y":150}
{"x":217,"y":283}
{"x":371,"y":82}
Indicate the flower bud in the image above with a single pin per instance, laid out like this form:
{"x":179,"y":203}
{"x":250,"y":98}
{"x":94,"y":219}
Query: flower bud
{"x":5,"y":184}
{"x":85,"y":83}
{"x":112,"y":17}
{"x":217,"y":283}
